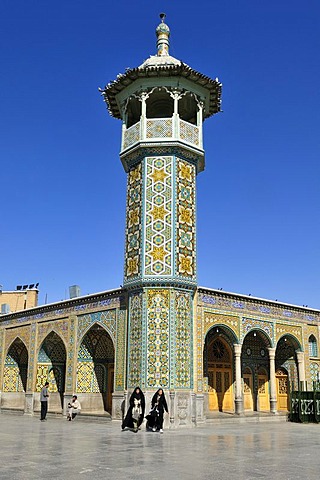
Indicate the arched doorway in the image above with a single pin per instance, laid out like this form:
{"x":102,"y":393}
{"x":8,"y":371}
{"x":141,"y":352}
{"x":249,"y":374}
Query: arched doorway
{"x":286,"y":359}
{"x":218,"y":370}
{"x":282,"y":390}
{"x":95,"y":370}
{"x":15,"y":376}
{"x":255,"y":368}
{"x":51,"y":367}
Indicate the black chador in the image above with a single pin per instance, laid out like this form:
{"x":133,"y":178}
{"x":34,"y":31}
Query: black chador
{"x":135,"y":412}
{"x":158,"y":407}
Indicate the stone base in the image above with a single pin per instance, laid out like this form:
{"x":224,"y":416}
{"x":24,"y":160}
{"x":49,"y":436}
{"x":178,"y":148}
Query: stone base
{"x":184,"y":407}
{"x":67,"y":397}
{"x":118,"y":405}
{"x":29,"y":404}
{"x":238,"y":406}
{"x":199,"y":403}
{"x":273,"y":406}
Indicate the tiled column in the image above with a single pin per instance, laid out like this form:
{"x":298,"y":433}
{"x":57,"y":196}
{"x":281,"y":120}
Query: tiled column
{"x":238,"y":396}
{"x":272,"y":368}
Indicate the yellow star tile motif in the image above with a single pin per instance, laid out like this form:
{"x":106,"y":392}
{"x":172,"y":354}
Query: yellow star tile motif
{"x":135,"y":174}
{"x":158,"y":213}
{"x":185,"y":172}
{"x":158,"y":253}
{"x":134,"y":217}
{"x":185,"y":215}
{"x":185,"y":264}
{"x":132,"y":266}
{"x":158,"y":175}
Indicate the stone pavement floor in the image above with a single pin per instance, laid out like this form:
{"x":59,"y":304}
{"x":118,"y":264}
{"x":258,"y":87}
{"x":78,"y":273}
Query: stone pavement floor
{"x":61,"y":450}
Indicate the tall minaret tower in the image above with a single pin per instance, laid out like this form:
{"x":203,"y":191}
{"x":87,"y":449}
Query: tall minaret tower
{"x":162,"y":105}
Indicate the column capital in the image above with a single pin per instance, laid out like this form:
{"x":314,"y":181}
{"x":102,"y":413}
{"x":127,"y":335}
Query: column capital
{"x":272,"y":352}
{"x":237,"y":349}
{"x":300,"y":356}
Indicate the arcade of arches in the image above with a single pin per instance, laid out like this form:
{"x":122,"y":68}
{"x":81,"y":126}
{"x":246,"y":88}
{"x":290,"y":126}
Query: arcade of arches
{"x":266,"y":373}
{"x":238,"y":364}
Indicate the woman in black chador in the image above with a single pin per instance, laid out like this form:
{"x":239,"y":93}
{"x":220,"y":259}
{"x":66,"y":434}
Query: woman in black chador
{"x":155,"y":416}
{"x":135,"y":412}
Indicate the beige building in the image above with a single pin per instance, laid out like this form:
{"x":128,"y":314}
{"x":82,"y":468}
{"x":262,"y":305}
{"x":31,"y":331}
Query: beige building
{"x":13,"y":301}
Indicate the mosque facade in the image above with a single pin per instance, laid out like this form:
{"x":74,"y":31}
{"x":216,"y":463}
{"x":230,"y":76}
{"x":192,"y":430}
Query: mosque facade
{"x":210,"y":350}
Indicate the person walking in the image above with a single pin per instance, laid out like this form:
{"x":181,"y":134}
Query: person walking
{"x":158,"y":407}
{"x":44,"y":395}
{"x":135,"y":412}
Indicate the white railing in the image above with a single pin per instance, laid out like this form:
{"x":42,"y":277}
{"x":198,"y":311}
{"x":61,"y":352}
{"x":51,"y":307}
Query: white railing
{"x":154,"y":129}
{"x":189,"y":133}
{"x":131,"y":136}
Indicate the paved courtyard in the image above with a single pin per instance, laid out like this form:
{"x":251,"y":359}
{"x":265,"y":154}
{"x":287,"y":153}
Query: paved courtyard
{"x":57,"y":449}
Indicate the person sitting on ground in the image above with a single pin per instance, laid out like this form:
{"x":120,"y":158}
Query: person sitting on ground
{"x":74,"y":408}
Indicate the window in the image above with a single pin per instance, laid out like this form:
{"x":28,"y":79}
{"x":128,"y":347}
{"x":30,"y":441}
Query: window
{"x":313,"y":348}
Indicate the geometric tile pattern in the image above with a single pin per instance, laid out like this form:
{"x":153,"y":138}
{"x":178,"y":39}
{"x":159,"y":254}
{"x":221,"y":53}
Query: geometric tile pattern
{"x":285,"y":329}
{"x":87,"y":381}
{"x":211,"y":319}
{"x":186,"y":228}
{"x":158,"y":217}
{"x":23,"y":334}
{"x":106,"y":319}
{"x":96,"y":351}
{"x":59,"y":327}
{"x":12,"y":379}
{"x":183,"y":340}
{"x":51,"y":363}
{"x":249,"y":324}
{"x":135,"y":342}
{"x":131,"y":135}
{"x":314,"y":372}
{"x":189,"y":132}
{"x":121,"y":351}
{"x":159,"y":128}
{"x":133,"y":227}
{"x":70,"y":362}
{"x":158,"y":309}
{"x":15,"y":369}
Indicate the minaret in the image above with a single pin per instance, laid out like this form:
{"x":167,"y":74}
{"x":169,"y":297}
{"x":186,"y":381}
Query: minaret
{"x":162,"y":105}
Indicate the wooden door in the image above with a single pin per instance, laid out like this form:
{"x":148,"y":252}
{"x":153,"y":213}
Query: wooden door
{"x":282,"y":390}
{"x":247,"y":390}
{"x":263,"y":391}
{"x":220,"y":389}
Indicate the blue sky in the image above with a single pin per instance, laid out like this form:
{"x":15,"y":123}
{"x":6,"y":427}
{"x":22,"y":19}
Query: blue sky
{"x":62,"y":185}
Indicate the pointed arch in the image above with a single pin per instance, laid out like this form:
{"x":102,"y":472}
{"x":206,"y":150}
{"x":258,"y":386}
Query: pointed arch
{"x":95,"y":368}
{"x":222,"y":329}
{"x":286,"y":358}
{"x":292,"y":340}
{"x":218,"y":367}
{"x":98,"y":325}
{"x":51,"y":367}
{"x":46,"y":335}
{"x":16,"y":367}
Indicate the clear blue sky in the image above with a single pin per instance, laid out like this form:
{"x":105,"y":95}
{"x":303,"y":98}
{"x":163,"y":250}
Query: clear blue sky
{"x":62,"y":185}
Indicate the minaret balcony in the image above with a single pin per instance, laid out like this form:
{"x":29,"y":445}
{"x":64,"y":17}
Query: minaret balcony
{"x":157,"y":130}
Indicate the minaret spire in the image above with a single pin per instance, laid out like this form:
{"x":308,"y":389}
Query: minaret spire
{"x":163,"y":34}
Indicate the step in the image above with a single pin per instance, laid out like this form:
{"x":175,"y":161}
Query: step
{"x":250,"y":417}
